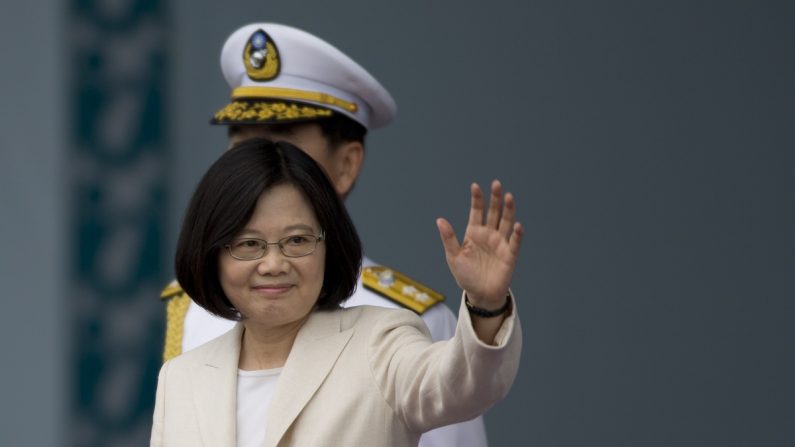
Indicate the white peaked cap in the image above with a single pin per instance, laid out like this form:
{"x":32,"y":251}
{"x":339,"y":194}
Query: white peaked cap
{"x":279,"y":74}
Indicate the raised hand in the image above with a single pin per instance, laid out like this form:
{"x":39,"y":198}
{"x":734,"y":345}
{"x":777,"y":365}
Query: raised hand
{"x":484,"y":262}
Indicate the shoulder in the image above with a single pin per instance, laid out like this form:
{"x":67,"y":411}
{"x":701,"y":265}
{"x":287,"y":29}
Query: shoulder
{"x":214,"y":351}
{"x":172,"y":290}
{"x":368,"y":319}
{"x":398,"y":289}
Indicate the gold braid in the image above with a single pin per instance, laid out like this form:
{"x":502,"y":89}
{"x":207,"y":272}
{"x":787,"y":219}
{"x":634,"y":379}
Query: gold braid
{"x":176,"y":309}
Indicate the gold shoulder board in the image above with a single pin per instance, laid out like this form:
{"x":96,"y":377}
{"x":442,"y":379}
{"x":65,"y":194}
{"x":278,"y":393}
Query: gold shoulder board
{"x":177,"y":303}
{"x":171,"y":290}
{"x":400,"y":288}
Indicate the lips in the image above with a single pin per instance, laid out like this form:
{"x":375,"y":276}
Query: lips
{"x":272,"y":289}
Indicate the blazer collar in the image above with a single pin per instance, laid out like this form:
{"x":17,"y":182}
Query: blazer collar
{"x":215,"y":389}
{"x":317,"y":347}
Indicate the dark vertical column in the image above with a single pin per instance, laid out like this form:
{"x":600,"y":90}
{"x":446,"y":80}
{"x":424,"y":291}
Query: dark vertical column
{"x":117,"y":187}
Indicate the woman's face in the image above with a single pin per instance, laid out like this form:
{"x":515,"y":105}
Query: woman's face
{"x":276,"y":290}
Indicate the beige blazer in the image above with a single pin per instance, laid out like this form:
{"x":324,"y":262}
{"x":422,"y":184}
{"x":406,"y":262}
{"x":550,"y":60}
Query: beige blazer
{"x":354,"y":377}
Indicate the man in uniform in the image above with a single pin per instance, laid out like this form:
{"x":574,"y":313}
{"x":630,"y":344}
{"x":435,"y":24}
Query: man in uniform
{"x":290,"y":85}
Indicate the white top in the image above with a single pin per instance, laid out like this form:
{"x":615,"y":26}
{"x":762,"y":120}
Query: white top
{"x":254,"y":392}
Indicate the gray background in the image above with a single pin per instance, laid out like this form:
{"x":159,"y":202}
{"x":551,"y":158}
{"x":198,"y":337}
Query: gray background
{"x":650,"y":148}
{"x":32,"y":246}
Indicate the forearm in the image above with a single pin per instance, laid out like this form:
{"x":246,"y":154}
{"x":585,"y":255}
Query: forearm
{"x":447,"y":382}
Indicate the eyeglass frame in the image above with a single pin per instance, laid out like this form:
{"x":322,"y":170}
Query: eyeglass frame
{"x":318,"y":238}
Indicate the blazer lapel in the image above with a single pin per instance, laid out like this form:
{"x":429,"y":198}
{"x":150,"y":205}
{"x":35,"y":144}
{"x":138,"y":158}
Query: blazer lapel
{"x":317,"y":347}
{"x":215,"y":390}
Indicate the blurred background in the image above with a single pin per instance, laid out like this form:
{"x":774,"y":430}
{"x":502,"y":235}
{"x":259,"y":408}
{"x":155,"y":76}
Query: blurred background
{"x":650,"y":146}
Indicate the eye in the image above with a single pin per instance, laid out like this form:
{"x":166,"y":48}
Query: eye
{"x":298,"y":240}
{"x":246,"y":243}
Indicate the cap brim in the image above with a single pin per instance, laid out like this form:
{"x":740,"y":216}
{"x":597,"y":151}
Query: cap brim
{"x":263,"y":111}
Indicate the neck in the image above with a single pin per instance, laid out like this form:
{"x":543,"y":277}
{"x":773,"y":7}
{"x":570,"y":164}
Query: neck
{"x":267,"y":347}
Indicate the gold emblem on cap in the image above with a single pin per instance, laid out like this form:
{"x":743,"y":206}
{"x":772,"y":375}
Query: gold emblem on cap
{"x":245,"y":111}
{"x":261,"y":57}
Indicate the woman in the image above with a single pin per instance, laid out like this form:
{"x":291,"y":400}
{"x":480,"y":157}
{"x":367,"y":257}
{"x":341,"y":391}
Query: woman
{"x":267,"y":242}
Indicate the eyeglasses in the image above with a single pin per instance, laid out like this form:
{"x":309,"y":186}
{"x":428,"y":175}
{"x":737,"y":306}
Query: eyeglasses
{"x":295,"y":246}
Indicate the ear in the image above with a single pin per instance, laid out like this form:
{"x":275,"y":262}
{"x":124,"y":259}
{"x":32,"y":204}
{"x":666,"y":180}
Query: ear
{"x":348,"y":158}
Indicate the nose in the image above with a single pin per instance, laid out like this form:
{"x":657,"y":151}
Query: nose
{"x":273,"y":263}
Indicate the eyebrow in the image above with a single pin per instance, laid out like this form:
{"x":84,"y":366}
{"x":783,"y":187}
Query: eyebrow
{"x":286,"y":229}
{"x":299,"y":227}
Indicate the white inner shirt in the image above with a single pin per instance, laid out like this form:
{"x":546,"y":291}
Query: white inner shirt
{"x":254,"y":393}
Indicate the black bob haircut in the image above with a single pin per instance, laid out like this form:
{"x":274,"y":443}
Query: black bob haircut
{"x":224,"y":202}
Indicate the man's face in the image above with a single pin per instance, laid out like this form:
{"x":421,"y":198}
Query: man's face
{"x":308,"y":137}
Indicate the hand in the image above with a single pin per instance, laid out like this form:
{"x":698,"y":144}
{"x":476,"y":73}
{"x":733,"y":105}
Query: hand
{"x":483,"y":264}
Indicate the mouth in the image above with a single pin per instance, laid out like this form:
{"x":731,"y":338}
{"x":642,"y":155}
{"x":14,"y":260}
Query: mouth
{"x":273,"y":290}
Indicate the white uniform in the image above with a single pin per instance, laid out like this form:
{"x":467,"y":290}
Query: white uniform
{"x":200,"y":326}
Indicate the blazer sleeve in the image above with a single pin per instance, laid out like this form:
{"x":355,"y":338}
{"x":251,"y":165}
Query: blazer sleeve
{"x":434,"y":384}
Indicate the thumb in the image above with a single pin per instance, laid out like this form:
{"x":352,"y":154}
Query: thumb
{"x":449,"y":240}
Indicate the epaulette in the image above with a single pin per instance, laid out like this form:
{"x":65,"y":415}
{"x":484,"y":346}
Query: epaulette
{"x":172,"y":289}
{"x":177,"y":303}
{"x":400,"y":288}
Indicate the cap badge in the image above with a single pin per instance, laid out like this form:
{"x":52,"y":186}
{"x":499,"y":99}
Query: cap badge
{"x":261,"y":57}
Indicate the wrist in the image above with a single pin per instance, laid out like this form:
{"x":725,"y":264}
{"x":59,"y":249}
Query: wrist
{"x":487,"y":312}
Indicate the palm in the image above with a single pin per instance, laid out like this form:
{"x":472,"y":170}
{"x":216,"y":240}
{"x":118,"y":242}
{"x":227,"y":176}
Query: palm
{"x":484,"y":262}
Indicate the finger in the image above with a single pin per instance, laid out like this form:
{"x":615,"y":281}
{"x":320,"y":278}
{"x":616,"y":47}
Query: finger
{"x":516,"y":238}
{"x":449,"y":240}
{"x":495,"y":205}
{"x":476,"y":207}
{"x":508,"y":216}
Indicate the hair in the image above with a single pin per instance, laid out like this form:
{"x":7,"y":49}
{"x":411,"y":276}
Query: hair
{"x":224,"y":202}
{"x":337,"y":129}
